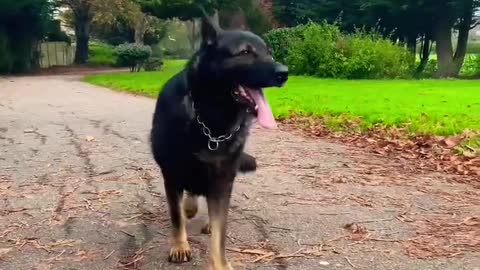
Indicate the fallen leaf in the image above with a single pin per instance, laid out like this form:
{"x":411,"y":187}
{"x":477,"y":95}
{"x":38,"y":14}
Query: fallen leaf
{"x":471,"y":221}
{"x":358,"y":232}
{"x":3,"y":252}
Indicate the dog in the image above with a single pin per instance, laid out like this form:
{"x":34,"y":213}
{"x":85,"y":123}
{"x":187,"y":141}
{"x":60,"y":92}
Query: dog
{"x":201,"y":122}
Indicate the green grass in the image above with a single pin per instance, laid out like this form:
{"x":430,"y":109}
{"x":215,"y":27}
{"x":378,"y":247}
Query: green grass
{"x":442,"y":107}
{"x":101,"y":54}
{"x":144,"y":83}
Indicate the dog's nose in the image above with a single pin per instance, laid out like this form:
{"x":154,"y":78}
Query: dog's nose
{"x":281,"y":73}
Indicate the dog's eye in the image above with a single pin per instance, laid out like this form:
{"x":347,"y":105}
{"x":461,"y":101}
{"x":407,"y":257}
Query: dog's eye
{"x":244,"y":52}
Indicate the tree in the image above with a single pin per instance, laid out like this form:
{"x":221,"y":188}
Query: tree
{"x":459,"y":15}
{"x":84,"y":12}
{"x":404,"y":21}
{"x":189,"y":11}
{"x":185,"y":10}
{"x":23,"y":23}
{"x":128,"y":12}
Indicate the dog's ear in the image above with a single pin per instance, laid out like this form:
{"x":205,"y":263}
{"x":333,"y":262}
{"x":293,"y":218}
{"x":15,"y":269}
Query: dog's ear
{"x":210,"y":31}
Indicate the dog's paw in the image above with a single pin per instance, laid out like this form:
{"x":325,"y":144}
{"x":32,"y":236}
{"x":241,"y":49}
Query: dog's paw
{"x":180,"y":253}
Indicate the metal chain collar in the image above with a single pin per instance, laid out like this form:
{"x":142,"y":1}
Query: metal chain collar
{"x":213,"y":142}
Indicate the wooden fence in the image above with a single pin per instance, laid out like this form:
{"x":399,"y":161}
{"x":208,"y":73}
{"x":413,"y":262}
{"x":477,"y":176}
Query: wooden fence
{"x":56,"y":54}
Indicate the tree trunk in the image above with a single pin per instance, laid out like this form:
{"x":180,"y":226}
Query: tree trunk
{"x":82,"y":33}
{"x":215,"y":18}
{"x":463,"y":32}
{"x":444,"y":48}
{"x":425,"y":51}
{"x":192,"y":33}
{"x":450,"y":63}
{"x":140,"y":29}
{"x":412,"y":43}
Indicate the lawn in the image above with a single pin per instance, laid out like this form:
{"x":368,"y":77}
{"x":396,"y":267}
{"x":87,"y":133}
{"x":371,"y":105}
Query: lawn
{"x":442,"y":107}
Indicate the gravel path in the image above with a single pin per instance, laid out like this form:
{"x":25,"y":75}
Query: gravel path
{"x":79,"y":190}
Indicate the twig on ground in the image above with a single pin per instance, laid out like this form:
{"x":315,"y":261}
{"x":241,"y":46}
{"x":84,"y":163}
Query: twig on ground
{"x":109,"y":254}
{"x":293,"y":255}
{"x":133,"y":217}
{"x":263,"y":257}
{"x":249,"y":251}
{"x":382,"y":240}
{"x":375,"y":220}
{"x":127,"y":233}
{"x":281,"y":228}
{"x":58,"y":256}
{"x":349,"y":262}
{"x":133,"y":262}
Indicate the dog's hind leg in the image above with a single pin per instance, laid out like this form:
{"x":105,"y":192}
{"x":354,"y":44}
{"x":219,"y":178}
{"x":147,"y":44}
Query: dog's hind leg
{"x":218,"y":201}
{"x":180,"y":248}
{"x":190,"y":205}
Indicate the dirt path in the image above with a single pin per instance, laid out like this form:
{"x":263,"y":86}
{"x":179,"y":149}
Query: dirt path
{"x":79,"y":190}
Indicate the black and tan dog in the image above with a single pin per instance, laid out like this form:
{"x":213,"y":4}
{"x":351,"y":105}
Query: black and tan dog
{"x":200,"y":126}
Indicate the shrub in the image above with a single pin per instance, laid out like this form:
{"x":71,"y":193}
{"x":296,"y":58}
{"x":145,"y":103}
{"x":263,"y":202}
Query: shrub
{"x":322,"y":50}
{"x":153,"y":64}
{"x":471,"y":66}
{"x":101,"y":54}
{"x":132,"y":55}
{"x":369,"y":55}
{"x":281,"y":39}
{"x":430,"y":69}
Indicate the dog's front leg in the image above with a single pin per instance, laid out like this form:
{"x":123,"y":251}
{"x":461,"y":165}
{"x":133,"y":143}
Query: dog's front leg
{"x":218,"y":200}
{"x":180,"y":248}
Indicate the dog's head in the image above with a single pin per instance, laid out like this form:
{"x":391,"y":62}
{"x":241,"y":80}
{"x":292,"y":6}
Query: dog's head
{"x":242,"y":64}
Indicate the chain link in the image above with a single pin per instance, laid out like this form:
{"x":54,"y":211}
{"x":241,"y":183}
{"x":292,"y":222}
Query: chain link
{"x":214,"y":142}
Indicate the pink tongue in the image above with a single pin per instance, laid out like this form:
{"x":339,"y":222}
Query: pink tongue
{"x":264,"y":113}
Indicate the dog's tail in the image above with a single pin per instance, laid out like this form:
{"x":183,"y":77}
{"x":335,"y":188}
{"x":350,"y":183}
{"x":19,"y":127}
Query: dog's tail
{"x":247,"y":163}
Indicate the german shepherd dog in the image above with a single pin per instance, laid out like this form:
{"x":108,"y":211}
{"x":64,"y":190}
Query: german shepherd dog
{"x":200,"y":125}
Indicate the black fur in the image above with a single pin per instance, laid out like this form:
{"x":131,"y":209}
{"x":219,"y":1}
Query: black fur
{"x":203,"y":89}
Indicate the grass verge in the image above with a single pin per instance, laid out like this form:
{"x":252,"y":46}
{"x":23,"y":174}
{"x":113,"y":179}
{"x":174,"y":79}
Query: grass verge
{"x":143,"y":83}
{"x":101,"y":54}
{"x":438,"y":107}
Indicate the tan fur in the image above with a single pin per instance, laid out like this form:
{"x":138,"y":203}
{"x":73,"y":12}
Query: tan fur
{"x":217,"y":261}
{"x":190,"y":205}
{"x":180,"y":250}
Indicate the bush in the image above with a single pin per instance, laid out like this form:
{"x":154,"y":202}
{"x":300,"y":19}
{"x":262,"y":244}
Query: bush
{"x":430,"y":69}
{"x":101,"y":54}
{"x":322,"y":50}
{"x":153,"y":64}
{"x":471,"y":66}
{"x":281,"y":39}
{"x":132,"y":55}
{"x":369,"y":55}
